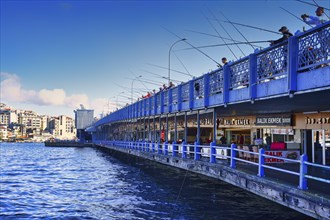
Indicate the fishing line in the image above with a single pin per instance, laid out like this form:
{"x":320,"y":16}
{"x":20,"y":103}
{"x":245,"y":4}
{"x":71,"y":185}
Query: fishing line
{"x":138,"y":78}
{"x":237,"y":30}
{"x":249,"y":26}
{"x":295,"y":16}
{"x":183,"y":65}
{"x":226,"y":32}
{"x":177,"y":198}
{"x":308,"y":3}
{"x":220,"y":37}
{"x":322,"y":7}
{"x":163,"y":77}
{"x":236,"y":41}
{"x":219,"y":45}
{"x":193,"y":47}
{"x":150,"y":64}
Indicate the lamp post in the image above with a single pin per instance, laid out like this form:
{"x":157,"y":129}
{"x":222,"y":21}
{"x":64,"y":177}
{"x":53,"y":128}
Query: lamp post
{"x":117,"y":99}
{"x":169,"y":59}
{"x":132,"y":87}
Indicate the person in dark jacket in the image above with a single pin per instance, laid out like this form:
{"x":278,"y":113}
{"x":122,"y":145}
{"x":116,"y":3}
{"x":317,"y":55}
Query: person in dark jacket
{"x":286,"y":34}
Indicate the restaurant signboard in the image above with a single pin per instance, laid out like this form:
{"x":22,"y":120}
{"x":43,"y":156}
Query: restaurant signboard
{"x":285,"y":120}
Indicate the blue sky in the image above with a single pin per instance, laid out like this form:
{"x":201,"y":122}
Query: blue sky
{"x":56,"y":55}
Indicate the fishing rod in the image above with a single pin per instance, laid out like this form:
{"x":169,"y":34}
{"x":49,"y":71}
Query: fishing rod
{"x":220,"y":37}
{"x":249,"y":26}
{"x":193,"y":46}
{"x":237,"y":30}
{"x":226,"y":32}
{"x":163,"y":77}
{"x":127,"y":88}
{"x":295,"y":16}
{"x":183,"y":73}
{"x":308,"y":3}
{"x":152,"y":73}
{"x":183,"y":65}
{"x":219,"y":45}
{"x":154,"y":81}
{"x":237,"y":41}
{"x":138,"y":78}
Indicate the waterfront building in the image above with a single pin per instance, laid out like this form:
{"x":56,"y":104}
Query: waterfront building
{"x":3,"y":133}
{"x":62,"y":127}
{"x":44,"y":123}
{"x":83,"y":119}
{"x":8,"y":115}
{"x":30,"y":121}
{"x":5,"y":117}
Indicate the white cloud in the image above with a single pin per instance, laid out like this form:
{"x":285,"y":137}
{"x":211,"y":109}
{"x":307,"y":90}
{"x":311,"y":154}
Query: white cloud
{"x":101,"y":105}
{"x":51,"y":97}
{"x":11,"y":91}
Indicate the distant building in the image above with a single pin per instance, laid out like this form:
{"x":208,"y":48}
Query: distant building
{"x":3,"y":132}
{"x":83,"y":119}
{"x":31,"y":122}
{"x":4,"y":117}
{"x":62,"y":127}
{"x":44,"y":123}
{"x":8,"y":115}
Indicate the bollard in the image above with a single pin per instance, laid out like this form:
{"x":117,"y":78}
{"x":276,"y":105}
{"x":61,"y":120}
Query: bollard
{"x":166,"y":148}
{"x":232,"y":156}
{"x":158,"y":148}
{"x":303,"y":172}
{"x":184,"y":150}
{"x":261,"y":169}
{"x":197,"y":155}
{"x":212,"y":152}
{"x":175,"y":149}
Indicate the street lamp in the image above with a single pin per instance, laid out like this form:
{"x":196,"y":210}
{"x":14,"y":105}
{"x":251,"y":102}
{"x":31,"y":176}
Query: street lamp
{"x":117,"y":99}
{"x":169,"y":59}
{"x":132,"y":87}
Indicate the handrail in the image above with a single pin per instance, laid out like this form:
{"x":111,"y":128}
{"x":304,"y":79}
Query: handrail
{"x":157,"y":148}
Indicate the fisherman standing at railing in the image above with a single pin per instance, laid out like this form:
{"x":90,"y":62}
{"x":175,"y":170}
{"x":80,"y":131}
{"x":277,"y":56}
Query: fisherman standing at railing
{"x":286,"y":34}
{"x":312,"y":20}
{"x":171,"y":85}
{"x":224,"y":62}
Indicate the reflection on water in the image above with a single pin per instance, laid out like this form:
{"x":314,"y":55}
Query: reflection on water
{"x":85,"y":183}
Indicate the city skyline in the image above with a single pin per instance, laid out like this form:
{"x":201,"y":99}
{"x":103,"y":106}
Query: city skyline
{"x":57,"y":55}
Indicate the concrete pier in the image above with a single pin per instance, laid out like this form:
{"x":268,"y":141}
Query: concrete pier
{"x":311,"y":204}
{"x":67,"y":144}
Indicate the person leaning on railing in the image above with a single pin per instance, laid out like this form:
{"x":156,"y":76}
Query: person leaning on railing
{"x":314,"y":20}
{"x":286,"y":34}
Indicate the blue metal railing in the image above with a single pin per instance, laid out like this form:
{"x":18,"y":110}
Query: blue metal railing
{"x":239,"y":74}
{"x":220,"y":153}
{"x":216,"y":82}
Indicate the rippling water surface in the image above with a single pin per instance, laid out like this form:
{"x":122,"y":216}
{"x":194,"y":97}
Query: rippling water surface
{"x":38,"y":182}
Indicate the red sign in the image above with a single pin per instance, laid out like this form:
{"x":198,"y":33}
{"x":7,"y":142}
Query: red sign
{"x":162,"y":135}
{"x":289,"y":154}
